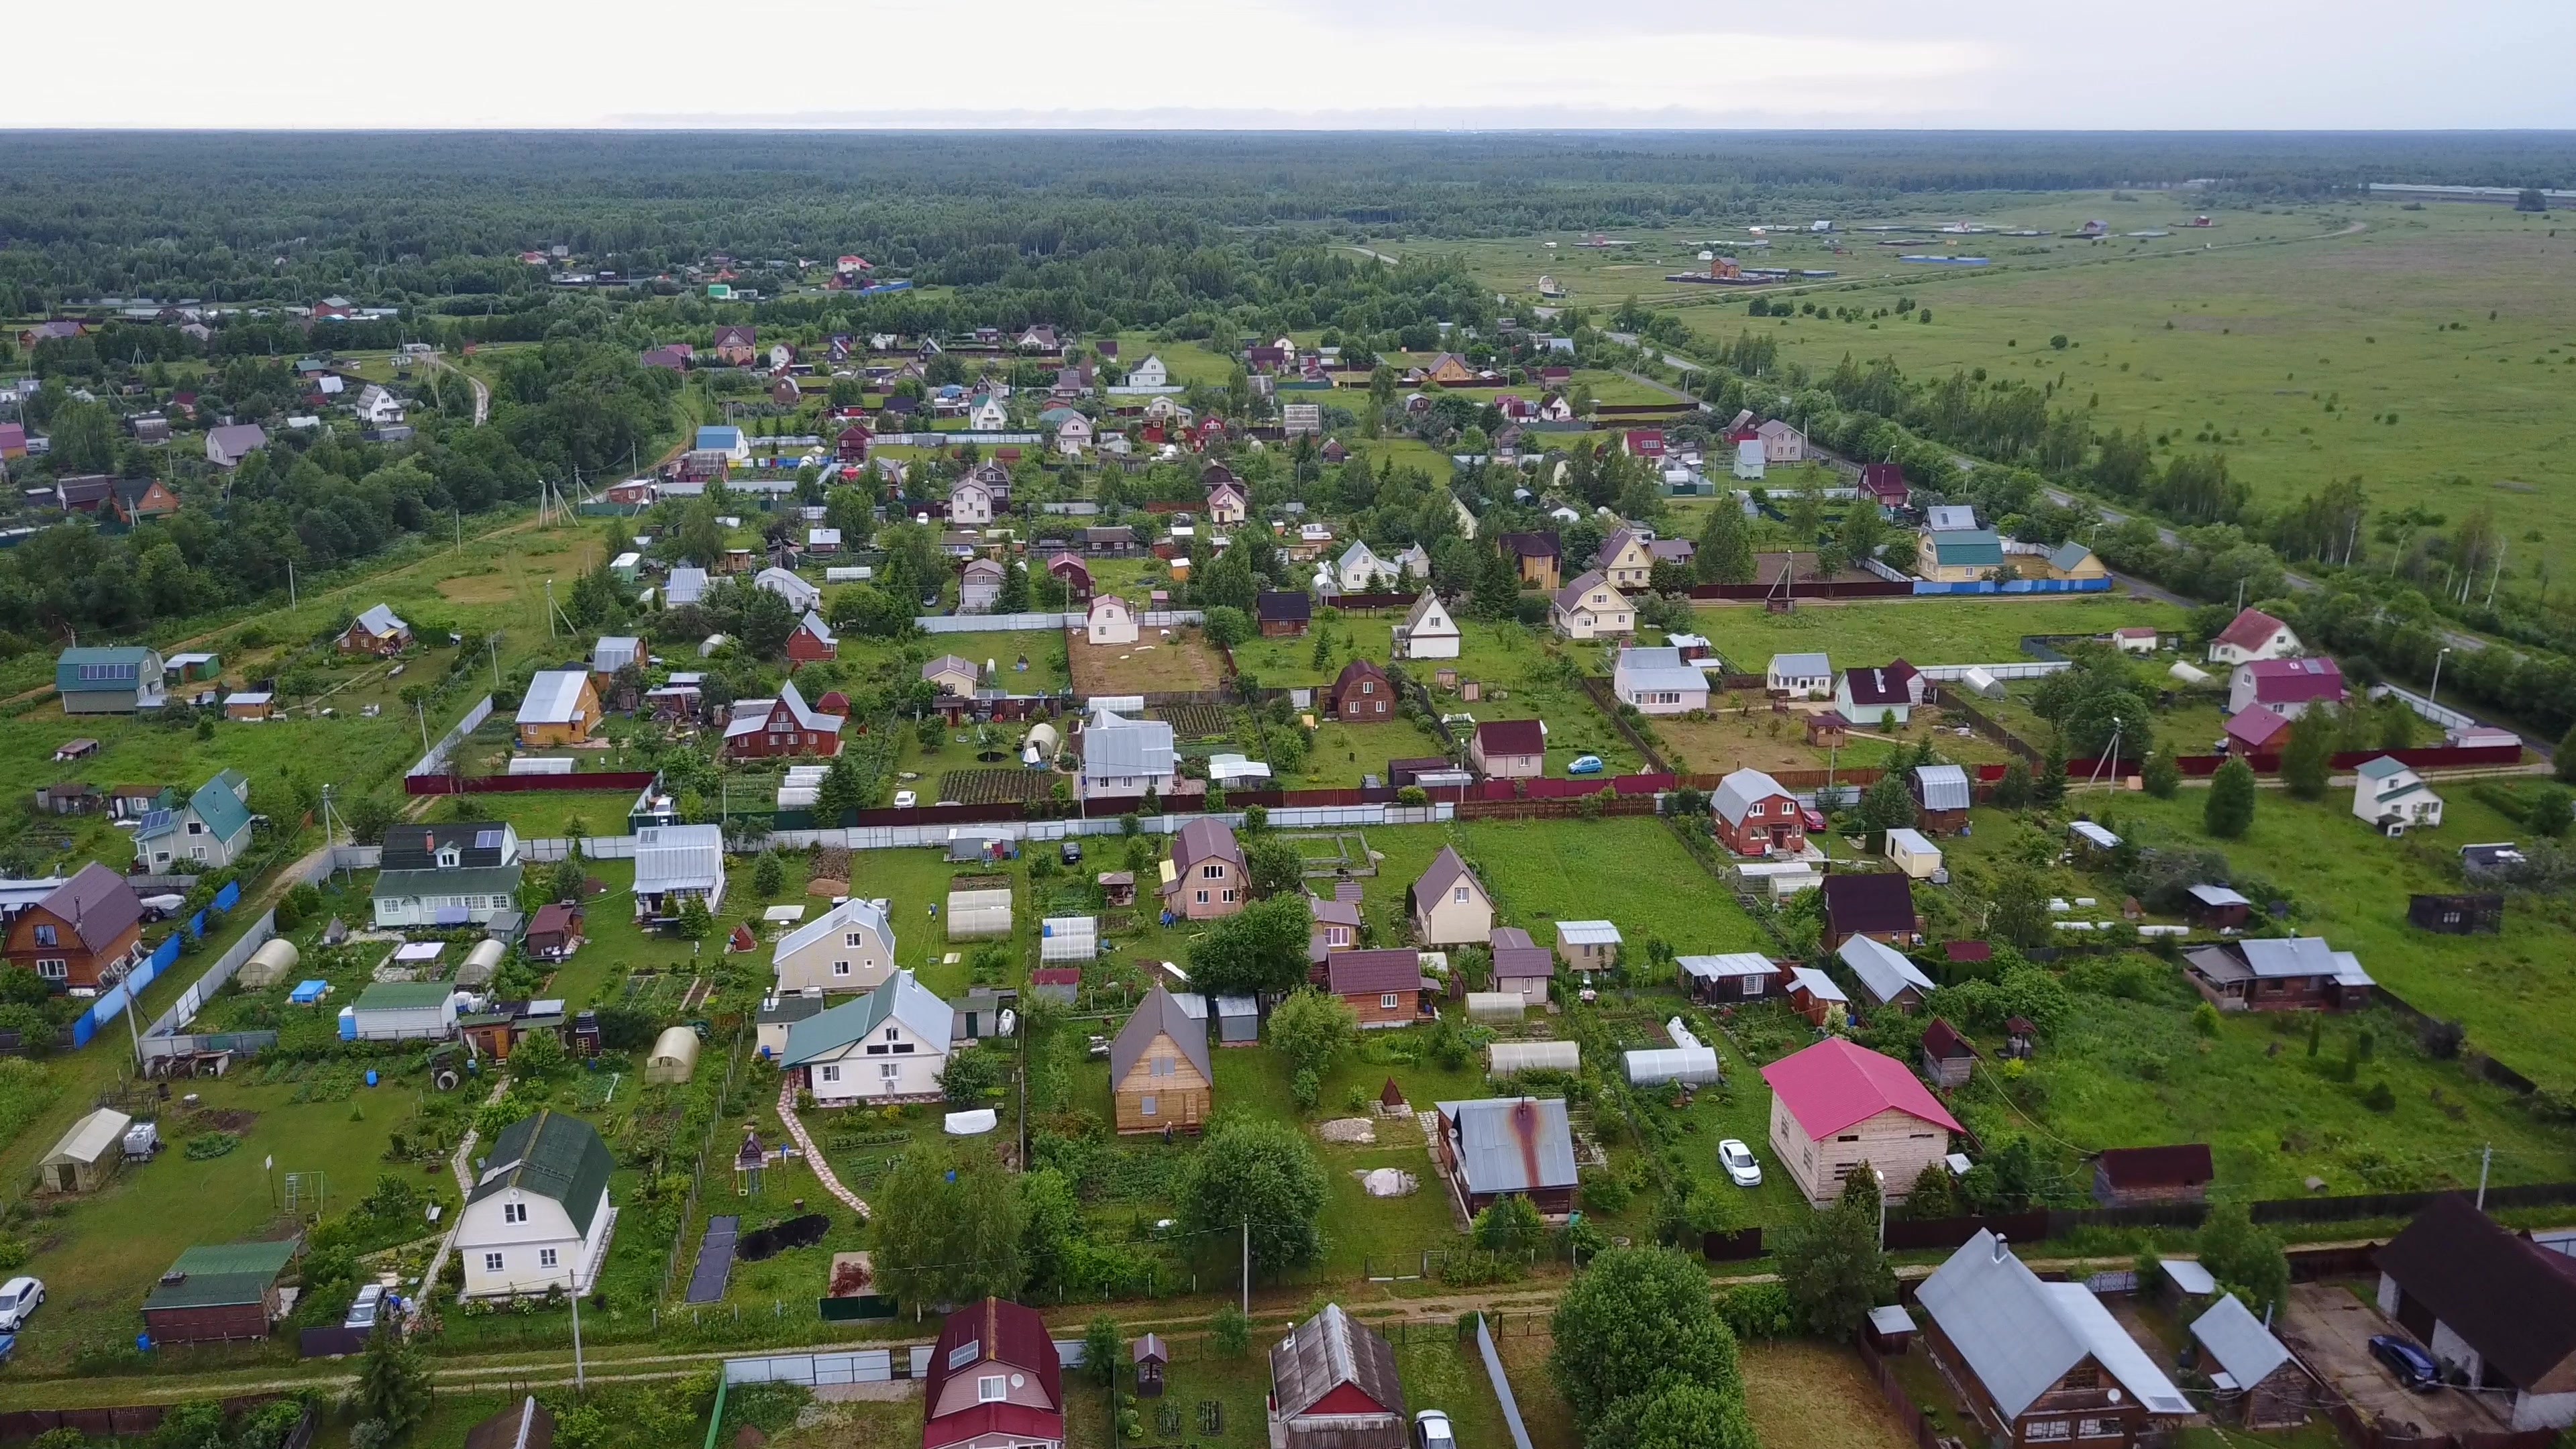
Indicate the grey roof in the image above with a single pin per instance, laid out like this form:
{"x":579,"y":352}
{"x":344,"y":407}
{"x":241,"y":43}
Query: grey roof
{"x":462,"y":880}
{"x":1587,"y":933}
{"x":1325,"y":1352}
{"x":1889,"y":1318}
{"x":615,"y":651}
{"x":1732,"y":963}
{"x":1513,"y":1144}
{"x":2020,"y":1335}
{"x":2189,"y":1276}
{"x":1658,"y":669}
{"x":1801,"y":666}
{"x":1815,"y":983}
{"x":901,"y":999}
{"x":2068,"y":555}
{"x":551,"y":1155}
{"x":1942,"y":787}
{"x":2294,"y":956}
{"x":553,"y":696}
{"x":1883,"y":970}
{"x":1943,"y":516}
{"x":685,"y":586}
{"x":1159,"y":1014}
{"x":849,"y":914}
{"x":678,"y":857}
{"x":2239,"y":1342}
{"x":1114,"y":746}
{"x":2217,"y":895}
{"x":1740,"y":789}
{"x":380,"y":620}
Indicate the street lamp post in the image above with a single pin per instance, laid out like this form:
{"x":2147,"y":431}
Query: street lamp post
{"x":2434,"y":695}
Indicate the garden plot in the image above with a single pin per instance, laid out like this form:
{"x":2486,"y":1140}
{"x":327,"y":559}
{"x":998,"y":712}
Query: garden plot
{"x":1181,"y":662}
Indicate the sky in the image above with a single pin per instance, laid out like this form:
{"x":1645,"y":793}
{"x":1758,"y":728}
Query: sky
{"x":1310,"y":64}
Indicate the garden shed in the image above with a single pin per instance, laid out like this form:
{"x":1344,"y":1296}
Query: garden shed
{"x":88,"y":1155}
{"x":1511,"y":1058}
{"x":978,"y":912}
{"x":674,"y":1058}
{"x":218,"y":1291}
{"x":1238,"y":1021}
{"x":400,"y":1011}
{"x":268,"y":965}
{"x":1911,"y":852}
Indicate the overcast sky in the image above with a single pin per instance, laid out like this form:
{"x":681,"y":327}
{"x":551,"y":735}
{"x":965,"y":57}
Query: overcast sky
{"x":2179,"y":64}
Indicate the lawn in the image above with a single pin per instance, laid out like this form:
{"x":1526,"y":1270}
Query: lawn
{"x":1922,"y":631}
{"x":1806,"y":1395}
{"x":1744,"y":731}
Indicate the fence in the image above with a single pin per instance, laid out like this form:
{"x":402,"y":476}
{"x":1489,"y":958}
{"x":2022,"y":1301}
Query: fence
{"x":436,"y":759}
{"x":946,"y":440}
{"x":857,"y":1366}
{"x":1892,"y":1390}
{"x":2016,"y":586}
{"x":1502,"y":1384}
{"x":136,"y":1420}
{"x":1806,"y":589}
{"x":1033,"y":623}
{"x":444,"y":784}
{"x":162,"y":1039}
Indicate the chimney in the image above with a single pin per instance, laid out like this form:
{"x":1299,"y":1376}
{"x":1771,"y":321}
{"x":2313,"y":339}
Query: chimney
{"x":1999,"y":1247}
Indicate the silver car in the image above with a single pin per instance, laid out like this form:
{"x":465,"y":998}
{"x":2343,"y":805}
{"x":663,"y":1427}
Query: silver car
{"x":1431,"y":1431}
{"x":18,"y":1299}
{"x":1738,"y":1160}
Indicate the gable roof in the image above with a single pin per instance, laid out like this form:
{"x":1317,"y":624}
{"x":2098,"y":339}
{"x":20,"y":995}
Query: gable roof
{"x":97,"y":904}
{"x":1801,"y":666}
{"x":2069,"y":556}
{"x":2250,"y":629}
{"x":2511,"y":1301}
{"x":1875,"y":901}
{"x":1286,"y":606}
{"x":1883,"y":970}
{"x":553,"y":697}
{"x":1205,"y":838}
{"x":381,"y":620}
{"x":222,"y":1275}
{"x":2294,"y":680}
{"x":1943,"y":1041}
{"x":678,"y":857}
{"x":1355,"y":671}
{"x":1740,"y":790}
{"x":1540,"y":543}
{"x":549,"y":1155}
{"x":1374,"y":973}
{"x":1423,"y":608}
{"x":1835,"y":1083}
{"x":1117,"y":746}
{"x":994,"y":1331}
{"x":1967,"y":547}
{"x":1658,"y":667}
{"x":1571,"y":596}
{"x":852,"y":914}
{"x":223,"y":812}
{"x":1512,"y":1144}
{"x":2381,"y":767}
{"x":2255,"y":725}
{"x":1517,"y":956}
{"x":2239,"y":1342}
{"x":1327,"y":1351}
{"x":1890,"y":683}
{"x":1447,"y":869}
{"x":901,"y":999}
{"x":1159,"y":1014}
{"x":1511,"y":737}
{"x":1942,"y":787}
{"x":2019,"y":1335}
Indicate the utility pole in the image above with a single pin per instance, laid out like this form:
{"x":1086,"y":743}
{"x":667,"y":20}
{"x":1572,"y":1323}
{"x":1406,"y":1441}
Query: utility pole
{"x":2434,"y":695}
{"x":579,"y":1384}
{"x":290,"y":583}
{"x":2497,"y":573}
{"x":550,"y":608}
{"x":422,"y":715}
{"x":2486,"y":1157}
{"x":1247,"y":1264}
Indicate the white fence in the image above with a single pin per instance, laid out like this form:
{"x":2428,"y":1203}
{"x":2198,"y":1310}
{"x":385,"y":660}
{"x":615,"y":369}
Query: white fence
{"x":860,"y":1366}
{"x":2018,"y":669}
{"x":906,"y":837}
{"x":593,"y":847}
{"x":436,"y":759}
{"x":1128,"y":391}
{"x":1028,"y":623}
{"x":2440,"y":714}
{"x":942,"y":440}
{"x":1871,"y":565}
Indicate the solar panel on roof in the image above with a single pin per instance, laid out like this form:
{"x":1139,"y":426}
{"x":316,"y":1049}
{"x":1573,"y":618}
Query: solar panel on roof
{"x":965,"y":1353}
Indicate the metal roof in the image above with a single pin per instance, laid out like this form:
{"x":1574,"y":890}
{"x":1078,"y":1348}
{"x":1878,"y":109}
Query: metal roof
{"x":1159,"y":1014}
{"x":1587,"y":933}
{"x":1801,"y":666}
{"x":1941,"y":787}
{"x":2217,"y":895}
{"x":381,"y":620}
{"x":221,"y":1275}
{"x":901,"y":999}
{"x":849,"y":915}
{"x":682,"y":857}
{"x":1732,"y":963}
{"x":2019,"y":1335}
{"x":553,"y":697}
{"x":1741,"y":789}
{"x":1512,"y":1144}
{"x":2239,"y":1341}
{"x":1883,"y":971}
{"x":1658,"y":669}
{"x":1114,"y":746}
{"x":549,"y":1155}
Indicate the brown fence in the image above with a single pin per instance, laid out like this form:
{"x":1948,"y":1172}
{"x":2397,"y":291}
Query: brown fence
{"x":1807,"y":589}
{"x":133,"y":1420}
{"x":619,"y":780}
{"x":2362,"y":1432}
{"x":2431,"y":757}
{"x":1890,"y":1389}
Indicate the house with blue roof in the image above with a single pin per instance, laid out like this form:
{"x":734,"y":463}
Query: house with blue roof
{"x":726,"y":440}
{"x":208,"y":833}
{"x":118,"y":680}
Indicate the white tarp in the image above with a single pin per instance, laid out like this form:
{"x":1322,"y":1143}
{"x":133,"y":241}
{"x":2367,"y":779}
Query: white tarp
{"x":1671,"y":1064}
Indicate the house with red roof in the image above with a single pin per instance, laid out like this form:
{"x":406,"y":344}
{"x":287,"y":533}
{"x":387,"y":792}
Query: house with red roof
{"x":1643,"y":443}
{"x":2286,"y":686}
{"x":1885,"y":483}
{"x":995,"y":1381}
{"x":2253,"y":635}
{"x":1837,"y":1105}
{"x":1508,"y":749}
{"x":2257,"y":730}
{"x":1384,"y":986}
{"x":1362,"y":693}
{"x":852,"y":445}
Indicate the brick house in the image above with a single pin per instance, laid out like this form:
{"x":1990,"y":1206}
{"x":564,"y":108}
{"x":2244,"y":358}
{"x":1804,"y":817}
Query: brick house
{"x":1384,"y":986}
{"x":1753,"y":814}
{"x":1362,"y":694}
{"x":784,"y":726}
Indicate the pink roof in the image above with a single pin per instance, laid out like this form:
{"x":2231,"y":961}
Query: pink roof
{"x":2281,"y":681}
{"x":2251,"y":629}
{"x":2255,"y":726}
{"x":1834,"y":1084}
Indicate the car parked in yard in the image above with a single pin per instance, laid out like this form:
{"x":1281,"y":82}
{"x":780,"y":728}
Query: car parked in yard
{"x":2412,"y":1365}
{"x":905,"y":799}
{"x":363,"y":1310}
{"x":1585,"y":765}
{"x":1738,"y":1160}
{"x":18,"y":1298}
{"x":1072,"y":852}
{"x":1431,"y":1431}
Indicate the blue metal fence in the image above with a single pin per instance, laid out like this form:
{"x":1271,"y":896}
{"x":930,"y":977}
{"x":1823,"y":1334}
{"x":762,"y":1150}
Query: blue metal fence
{"x":116,"y":998}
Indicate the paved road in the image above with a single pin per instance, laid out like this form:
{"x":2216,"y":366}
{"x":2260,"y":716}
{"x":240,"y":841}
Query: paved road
{"x":482,"y":392}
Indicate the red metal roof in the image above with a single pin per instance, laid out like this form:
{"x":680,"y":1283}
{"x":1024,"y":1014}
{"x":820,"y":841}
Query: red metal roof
{"x":1886,"y":684}
{"x":2255,"y":725}
{"x":1511,"y":737}
{"x":1373,"y":973}
{"x":2251,"y":629}
{"x":2295,"y":680}
{"x":1019,"y":1421}
{"x":1834,"y":1084}
{"x":999,"y":1332}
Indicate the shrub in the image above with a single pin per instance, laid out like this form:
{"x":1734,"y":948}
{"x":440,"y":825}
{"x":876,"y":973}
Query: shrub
{"x":212,"y":1144}
{"x":2379,"y":1098}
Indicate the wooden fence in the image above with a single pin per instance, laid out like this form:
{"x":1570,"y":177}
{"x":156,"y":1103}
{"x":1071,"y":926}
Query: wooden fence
{"x":1900,"y":1402}
{"x":126,"y":1421}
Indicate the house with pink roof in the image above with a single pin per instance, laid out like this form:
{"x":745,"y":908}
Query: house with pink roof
{"x":2253,"y":635}
{"x":1837,"y":1106}
{"x":2287,"y":686}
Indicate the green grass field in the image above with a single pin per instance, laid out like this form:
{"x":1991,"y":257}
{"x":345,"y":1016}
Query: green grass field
{"x":1921,"y":631}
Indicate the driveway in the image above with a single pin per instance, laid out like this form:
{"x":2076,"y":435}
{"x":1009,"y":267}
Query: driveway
{"x":2331,"y":1330}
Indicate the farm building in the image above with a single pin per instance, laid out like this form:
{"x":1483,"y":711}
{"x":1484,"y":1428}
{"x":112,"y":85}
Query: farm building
{"x":675,"y":864}
{"x":1587,"y":945}
{"x":2259,"y":1383}
{"x":2287,"y":974}
{"x":218,"y":1291}
{"x":2030,"y":1357}
{"x":561,"y":707}
{"x":2216,"y":907}
{"x":1735,"y":976}
{"x":1333,"y":1385}
{"x":1883,"y":972}
{"x":2456,"y":914}
{"x":1948,"y":1059}
{"x":2492,"y":1306}
{"x":1816,"y":996}
{"x":1941,"y":798}
{"x":1878,"y":905}
{"x":1284,"y":613}
{"x":377,"y":631}
{"x":1688,"y":1060}
{"x":1069,"y":938}
{"x":1511,"y":1058}
{"x":88,"y":1154}
{"x":554,"y":934}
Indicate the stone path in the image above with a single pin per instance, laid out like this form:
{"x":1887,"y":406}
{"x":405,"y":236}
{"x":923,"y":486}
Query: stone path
{"x":813,"y":1156}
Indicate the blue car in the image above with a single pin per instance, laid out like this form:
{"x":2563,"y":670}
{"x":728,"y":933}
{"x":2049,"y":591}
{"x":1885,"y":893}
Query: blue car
{"x":1585,"y":765}
{"x":2413,"y":1367}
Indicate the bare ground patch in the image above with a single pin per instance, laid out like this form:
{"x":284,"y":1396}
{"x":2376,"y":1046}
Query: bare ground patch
{"x":1183,"y":663}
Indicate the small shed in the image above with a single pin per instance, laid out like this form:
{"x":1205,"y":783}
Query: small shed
{"x":979,"y":913}
{"x":1947,"y":1056}
{"x":1069,"y":938}
{"x":524,"y":1425}
{"x":86,"y":1158}
{"x":2089,"y":840}
{"x":2259,"y":1382}
{"x":267,"y":966}
{"x":1152,"y":1357}
{"x":218,"y":1291}
{"x":2456,"y":914}
{"x":1732,"y":977}
{"x":1238,"y":1021}
{"x":1891,"y":1328}
{"x":1118,"y":887}
{"x":1913,"y":853}
{"x":2021,"y":1038}
{"x":2184,"y":1280}
{"x":1511,"y":1058}
{"x":1059,"y":984}
{"x":2216,"y":907}
{"x":2128,"y":1176}
{"x":1828,"y":730}
{"x":1496,"y":1005}
{"x":674,"y":1058}
{"x":1942,"y":795}
{"x":400,"y":1011}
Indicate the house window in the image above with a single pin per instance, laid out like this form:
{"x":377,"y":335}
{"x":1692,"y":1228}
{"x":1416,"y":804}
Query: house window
{"x":1162,"y":1066}
{"x":992,"y":1388}
{"x":54,"y":970}
{"x":1848,"y":1137}
{"x":828,"y":1072}
{"x":2097,"y":1428}
{"x":1459,"y":896}
{"x":45,"y":936}
{"x":1753,"y":986}
{"x":545,"y":1257}
{"x":1229,"y":895}
{"x":196,"y":827}
{"x":854,"y":939}
{"x":840,"y":968}
{"x":1211,"y":872}
{"x":889,"y":1071}
{"x":2046,"y":1431}
{"x":514,"y":1212}
{"x":1203,"y":898}
{"x":2087,"y":1376}
{"x":491,"y":1262}
{"x":1754,"y":810}
{"x":1146,"y":1106}
{"x":1386,"y":1002}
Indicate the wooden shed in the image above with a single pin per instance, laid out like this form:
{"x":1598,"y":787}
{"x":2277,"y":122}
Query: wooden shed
{"x":218,"y":1291}
{"x":1947,"y":1057}
{"x":2128,"y":1176}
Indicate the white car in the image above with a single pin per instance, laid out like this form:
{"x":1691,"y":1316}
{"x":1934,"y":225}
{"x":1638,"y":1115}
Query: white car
{"x":18,"y":1299}
{"x":1431,"y":1431}
{"x":364,"y":1310}
{"x":905,"y":799}
{"x":1738,"y":1161}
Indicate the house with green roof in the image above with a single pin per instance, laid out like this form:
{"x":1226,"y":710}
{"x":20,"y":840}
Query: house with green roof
{"x":110,"y":680}
{"x":208,"y":833}
{"x":1958,"y":555}
{"x":218,"y":1291}
{"x":890,"y":1045}
{"x":539,"y":1218}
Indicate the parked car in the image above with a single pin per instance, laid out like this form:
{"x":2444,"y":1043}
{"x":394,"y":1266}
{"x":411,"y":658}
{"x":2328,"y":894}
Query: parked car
{"x":1071,"y":851}
{"x":362,"y":1312}
{"x":18,"y":1299}
{"x":1431,"y":1431}
{"x":1585,"y":765}
{"x":2413,"y":1366}
{"x":905,"y":799}
{"x":1738,"y":1160}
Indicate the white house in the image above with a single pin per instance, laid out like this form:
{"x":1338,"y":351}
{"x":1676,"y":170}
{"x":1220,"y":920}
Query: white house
{"x":991,"y":415}
{"x":1428,"y":632}
{"x":970,"y":502}
{"x":539,"y":1217}
{"x":2253,"y":635}
{"x":848,"y":948}
{"x":1749,"y":459}
{"x":1884,"y":695}
{"x":1657,"y":681}
{"x":206,"y":834}
{"x":1073,"y":435}
{"x":1361,"y":571}
{"x":1126,"y":757}
{"x":1110,"y":621}
{"x":1149,"y":373}
{"x":800,"y":595}
{"x":1800,"y":676}
{"x":2391,"y":798}
{"x":888,"y":1046}
{"x":1589,"y":608}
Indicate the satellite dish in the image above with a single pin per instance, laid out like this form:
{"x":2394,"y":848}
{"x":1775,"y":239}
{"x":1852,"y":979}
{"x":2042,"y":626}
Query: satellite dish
{"x":1019,"y":1381}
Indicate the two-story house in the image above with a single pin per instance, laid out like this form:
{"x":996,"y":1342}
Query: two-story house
{"x":539,"y":1218}
{"x":1837,"y":1105}
{"x":995,"y":1381}
{"x":208,"y":833}
{"x":2040,"y":1362}
{"x":1207,"y":875}
{"x":848,"y":948}
{"x":786,"y":725}
{"x":2391,"y":798}
{"x":1362,"y":694}
{"x":447,"y":874}
{"x":1590,"y":608}
{"x":1627,"y":559}
{"x":1159,"y":1073}
{"x":2253,"y":635}
{"x":1126,"y":758}
{"x":890,"y":1045}
{"x":1450,"y":906}
{"x":1752,"y":814}
{"x":81,"y":936}
{"x":561,"y":707}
